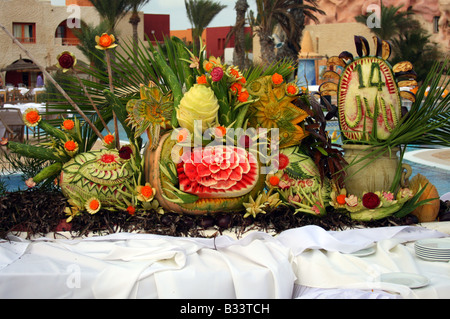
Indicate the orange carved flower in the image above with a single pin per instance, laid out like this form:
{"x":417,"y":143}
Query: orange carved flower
{"x":201,"y":79}
{"x":208,"y":66}
{"x":131,"y":210}
{"x":277,"y":79}
{"x":93,"y":205}
{"x":145,"y":193}
{"x":220,"y":131}
{"x":182,"y":135}
{"x":108,"y":139}
{"x":236,"y":88}
{"x":243,"y":96}
{"x":340,"y":199}
{"x":71,"y":147}
{"x":68,"y":125}
{"x":274,"y":180}
{"x":292,"y":89}
{"x":106,"y":41}
{"x":31,"y":117}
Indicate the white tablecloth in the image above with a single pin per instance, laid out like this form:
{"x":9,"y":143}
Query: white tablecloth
{"x":306,"y":262}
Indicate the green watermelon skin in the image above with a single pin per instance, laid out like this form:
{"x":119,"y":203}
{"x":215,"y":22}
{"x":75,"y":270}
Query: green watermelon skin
{"x":101,"y":174}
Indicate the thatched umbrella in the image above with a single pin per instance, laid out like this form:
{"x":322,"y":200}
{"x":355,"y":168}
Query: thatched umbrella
{"x":21,"y":66}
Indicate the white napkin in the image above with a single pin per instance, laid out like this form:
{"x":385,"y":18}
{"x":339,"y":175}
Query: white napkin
{"x":351,"y":240}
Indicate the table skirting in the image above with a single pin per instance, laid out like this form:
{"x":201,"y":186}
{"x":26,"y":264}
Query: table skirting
{"x":306,"y":262}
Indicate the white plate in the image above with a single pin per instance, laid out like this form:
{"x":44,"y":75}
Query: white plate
{"x":434,"y":244}
{"x":364,"y":252}
{"x":405,"y":279}
{"x":433,"y":258}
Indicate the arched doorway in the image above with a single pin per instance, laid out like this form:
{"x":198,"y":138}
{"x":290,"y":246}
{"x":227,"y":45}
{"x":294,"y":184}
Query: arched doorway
{"x":66,"y":34}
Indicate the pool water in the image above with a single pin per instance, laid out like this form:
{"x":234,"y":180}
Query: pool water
{"x":13,"y":182}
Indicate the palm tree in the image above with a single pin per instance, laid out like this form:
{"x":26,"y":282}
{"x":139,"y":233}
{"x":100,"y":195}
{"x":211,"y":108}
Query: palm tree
{"x":86,"y":34}
{"x":136,"y":5}
{"x":112,"y":11}
{"x":410,"y":41}
{"x":289,"y":15}
{"x":414,"y":45}
{"x":200,"y":14}
{"x":393,"y":21}
{"x":291,"y":47}
{"x":239,"y":38}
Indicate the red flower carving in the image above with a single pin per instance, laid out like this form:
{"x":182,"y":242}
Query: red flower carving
{"x":217,"y":167}
{"x":216,"y":74}
{"x":370,"y":200}
{"x":66,"y":60}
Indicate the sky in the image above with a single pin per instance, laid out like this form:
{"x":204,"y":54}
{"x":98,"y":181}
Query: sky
{"x":177,"y":11}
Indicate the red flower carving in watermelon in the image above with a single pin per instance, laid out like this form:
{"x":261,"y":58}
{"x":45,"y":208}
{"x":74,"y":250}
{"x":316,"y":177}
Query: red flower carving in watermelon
{"x":217,"y":172}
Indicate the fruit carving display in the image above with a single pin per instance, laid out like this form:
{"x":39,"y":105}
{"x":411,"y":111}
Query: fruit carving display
{"x":298,"y":182}
{"x":369,"y":102}
{"x":369,"y":98}
{"x":220,"y":139}
{"x":274,"y":109}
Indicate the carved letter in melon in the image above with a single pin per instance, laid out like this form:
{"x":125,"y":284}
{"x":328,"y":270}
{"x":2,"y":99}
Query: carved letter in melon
{"x":368,"y":93}
{"x":223,"y":177}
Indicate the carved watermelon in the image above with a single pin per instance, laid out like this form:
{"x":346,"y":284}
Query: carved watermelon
{"x":368,"y":93}
{"x":369,"y":99}
{"x":229,"y":194}
{"x":218,"y":171}
{"x":101,"y":174}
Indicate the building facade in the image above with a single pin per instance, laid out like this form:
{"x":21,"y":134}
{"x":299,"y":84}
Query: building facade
{"x":335,"y":30}
{"x":46,"y":31}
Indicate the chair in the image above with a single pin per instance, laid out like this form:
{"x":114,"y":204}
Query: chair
{"x":3,"y":95}
{"x":12,"y":121}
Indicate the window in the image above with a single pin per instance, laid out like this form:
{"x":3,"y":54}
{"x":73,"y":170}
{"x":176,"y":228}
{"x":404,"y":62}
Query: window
{"x":436,"y":24}
{"x":221,"y":43}
{"x":25,"y":32}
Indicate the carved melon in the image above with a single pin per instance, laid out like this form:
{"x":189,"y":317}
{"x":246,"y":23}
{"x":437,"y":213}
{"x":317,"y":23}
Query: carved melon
{"x":368,"y":95}
{"x":220,"y":171}
{"x":226,"y":191}
{"x":101,"y":174}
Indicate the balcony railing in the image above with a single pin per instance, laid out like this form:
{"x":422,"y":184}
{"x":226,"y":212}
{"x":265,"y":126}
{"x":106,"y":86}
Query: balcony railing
{"x":67,"y":41}
{"x":26,"y":40}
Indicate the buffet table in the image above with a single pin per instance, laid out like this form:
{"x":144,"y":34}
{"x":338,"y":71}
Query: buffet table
{"x":306,"y":262}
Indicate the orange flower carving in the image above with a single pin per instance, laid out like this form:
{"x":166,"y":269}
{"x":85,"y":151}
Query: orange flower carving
{"x":105,"y":41}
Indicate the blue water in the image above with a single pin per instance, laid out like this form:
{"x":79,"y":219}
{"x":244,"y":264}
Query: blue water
{"x":13,"y":182}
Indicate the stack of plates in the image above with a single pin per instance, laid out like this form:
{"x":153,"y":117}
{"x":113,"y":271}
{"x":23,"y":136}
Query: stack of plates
{"x":434,"y":249}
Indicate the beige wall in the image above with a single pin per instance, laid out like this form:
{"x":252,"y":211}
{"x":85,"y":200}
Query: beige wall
{"x":47,"y":18}
{"x":328,"y":39}
{"x":332,"y":39}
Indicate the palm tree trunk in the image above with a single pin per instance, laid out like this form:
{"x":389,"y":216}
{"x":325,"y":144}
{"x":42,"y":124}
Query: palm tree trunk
{"x":134,"y":21}
{"x":239,"y":38}
{"x":267,"y":48}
